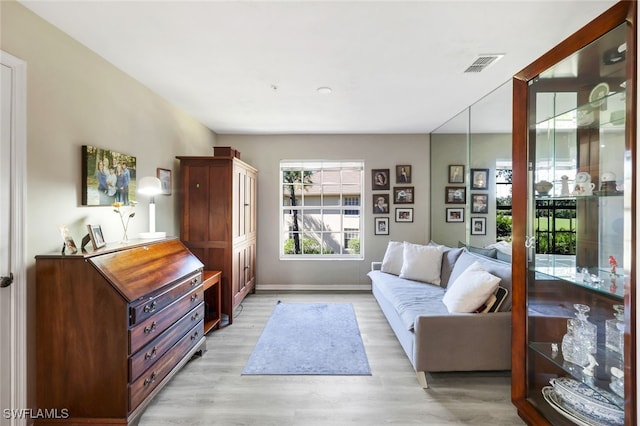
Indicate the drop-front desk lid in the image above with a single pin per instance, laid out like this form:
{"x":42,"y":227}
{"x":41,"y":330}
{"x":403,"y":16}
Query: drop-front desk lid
{"x":139,"y":267}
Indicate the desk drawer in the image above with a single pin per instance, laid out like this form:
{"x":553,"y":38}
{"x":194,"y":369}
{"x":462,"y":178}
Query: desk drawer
{"x":152,"y":327}
{"x":157,"y":302}
{"x":146,"y":383}
{"x":147,"y":356}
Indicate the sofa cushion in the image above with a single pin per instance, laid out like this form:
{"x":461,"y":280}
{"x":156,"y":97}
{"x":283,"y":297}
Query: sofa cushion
{"x":449,"y":258}
{"x":470,"y":290}
{"x":392,"y":261}
{"x":409,"y":298}
{"x":495,"y":267}
{"x":422,"y":263}
{"x":487,"y":252}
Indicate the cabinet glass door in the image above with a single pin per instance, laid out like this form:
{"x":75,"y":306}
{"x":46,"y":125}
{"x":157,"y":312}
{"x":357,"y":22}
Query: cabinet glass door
{"x":579,"y":228}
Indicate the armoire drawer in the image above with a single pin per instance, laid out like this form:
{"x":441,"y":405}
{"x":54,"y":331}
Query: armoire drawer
{"x":147,"y":356}
{"x":145,"y":384}
{"x":155,"y":303}
{"x":152,"y":327}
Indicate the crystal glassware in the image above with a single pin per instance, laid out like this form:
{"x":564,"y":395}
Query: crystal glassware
{"x":586,"y":333}
{"x":614,"y":329}
{"x":567,"y":342}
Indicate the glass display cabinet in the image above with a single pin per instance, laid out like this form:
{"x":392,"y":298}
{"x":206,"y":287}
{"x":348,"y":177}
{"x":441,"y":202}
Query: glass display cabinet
{"x":574,"y":143}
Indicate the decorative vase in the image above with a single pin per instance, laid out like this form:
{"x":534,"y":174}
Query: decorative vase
{"x":543,"y":187}
{"x":564,"y":190}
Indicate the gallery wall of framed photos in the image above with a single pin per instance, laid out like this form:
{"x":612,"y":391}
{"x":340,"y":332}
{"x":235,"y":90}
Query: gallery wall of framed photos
{"x":400,"y":195}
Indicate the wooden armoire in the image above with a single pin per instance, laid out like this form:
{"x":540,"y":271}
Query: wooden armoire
{"x":218,"y":207}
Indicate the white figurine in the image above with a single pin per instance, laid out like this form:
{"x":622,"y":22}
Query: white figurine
{"x":588,"y":370}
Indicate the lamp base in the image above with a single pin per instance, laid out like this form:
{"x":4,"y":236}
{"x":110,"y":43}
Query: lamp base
{"x":149,"y":235}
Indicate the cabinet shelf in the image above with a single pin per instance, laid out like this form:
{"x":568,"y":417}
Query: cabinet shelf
{"x":599,"y":382}
{"x":608,"y":285}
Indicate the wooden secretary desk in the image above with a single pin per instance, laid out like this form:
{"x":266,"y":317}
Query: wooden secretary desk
{"x":113,"y":326}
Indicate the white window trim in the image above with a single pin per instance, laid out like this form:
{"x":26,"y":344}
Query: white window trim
{"x":281,"y":225}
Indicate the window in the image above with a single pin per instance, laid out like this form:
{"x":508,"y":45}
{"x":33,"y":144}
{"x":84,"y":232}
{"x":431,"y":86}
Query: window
{"x":321,"y":209}
{"x":504,"y":176}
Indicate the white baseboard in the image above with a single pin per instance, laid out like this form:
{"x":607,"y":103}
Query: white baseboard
{"x":313,"y":287}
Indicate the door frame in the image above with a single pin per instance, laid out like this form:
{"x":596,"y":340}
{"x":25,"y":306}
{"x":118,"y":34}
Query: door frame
{"x":18,"y":289}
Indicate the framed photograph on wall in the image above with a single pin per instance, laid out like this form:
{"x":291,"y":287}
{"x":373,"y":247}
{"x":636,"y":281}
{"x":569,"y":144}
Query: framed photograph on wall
{"x":403,"y":195}
{"x":455,"y":214}
{"x":165,"y":180}
{"x":455,"y":195}
{"x":379,"y":179}
{"x":403,"y":174}
{"x":404,"y":215}
{"x":107,"y":176}
{"x":456,"y":173}
{"x":95,"y":234}
{"x":479,"y":203}
{"x":380,"y":203}
{"x":478,"y":226}
{"x":381,"y":226}
{"x":479,"y":178}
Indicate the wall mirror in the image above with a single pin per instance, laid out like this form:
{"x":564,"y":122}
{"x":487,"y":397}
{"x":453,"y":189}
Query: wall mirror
{"x":479,"y":139}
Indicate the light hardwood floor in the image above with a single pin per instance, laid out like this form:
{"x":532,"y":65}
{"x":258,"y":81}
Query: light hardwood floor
{"x":210,"y":390}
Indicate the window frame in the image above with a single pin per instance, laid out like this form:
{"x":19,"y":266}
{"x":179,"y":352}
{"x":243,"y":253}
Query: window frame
{"x":344,"y":204}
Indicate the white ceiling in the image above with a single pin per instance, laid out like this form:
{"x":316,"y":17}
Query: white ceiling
{"x":253,"y":67}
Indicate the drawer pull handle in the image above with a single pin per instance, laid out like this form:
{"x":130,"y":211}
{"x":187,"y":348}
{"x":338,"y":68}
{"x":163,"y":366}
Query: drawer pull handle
{"x":149,"y":329}
{"x":194,"y":281}
{"x":195,"y":335}
{"x":150,"y":307}
{"x":194,"y":297}
{"x":151,"y":354}
{"x":195,"y":316}
{"x":150,"y":379}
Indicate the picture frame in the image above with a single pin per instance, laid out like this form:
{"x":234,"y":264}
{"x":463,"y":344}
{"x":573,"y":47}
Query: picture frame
{"x":96,"y":236}
{"x":455,"y":195}
{"x":479,"y":203}
{"x":479,"y":178}
{"x":165,"y":180}
{"x":455,"y":214}
{"x":379,"y":179}
{"x":69,"y":246}
{"x":404,"y":215}
{"x":403,"y":195}
{"x":403,"y":174}
{"x":380,"y":203}
{"x":381,"y":226}
{"x":478,"y":226}
{"x":100,"y":188}
{"x":456,"y":173}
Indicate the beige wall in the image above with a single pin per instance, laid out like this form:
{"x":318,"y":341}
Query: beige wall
{"x":378,"y":152}
{"x":75,"y":98}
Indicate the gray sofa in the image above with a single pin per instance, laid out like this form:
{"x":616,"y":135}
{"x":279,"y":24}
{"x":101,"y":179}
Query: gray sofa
{"x":435,"y":339}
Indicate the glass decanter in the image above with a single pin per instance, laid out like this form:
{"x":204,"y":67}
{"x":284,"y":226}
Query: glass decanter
{"x":614,"y":329}
{"x":586,"y":333}
{"x":567,"y":342}
{"x":570,"y":352}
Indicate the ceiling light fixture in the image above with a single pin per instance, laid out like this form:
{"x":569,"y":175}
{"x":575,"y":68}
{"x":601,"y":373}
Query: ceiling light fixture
{"x":324,"y":90}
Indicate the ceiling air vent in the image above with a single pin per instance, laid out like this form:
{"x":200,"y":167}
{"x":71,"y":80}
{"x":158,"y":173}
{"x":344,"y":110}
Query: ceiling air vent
{"x":482,"y":62}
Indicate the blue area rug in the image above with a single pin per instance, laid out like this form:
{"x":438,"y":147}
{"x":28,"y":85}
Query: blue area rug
{"x":310,"y":339}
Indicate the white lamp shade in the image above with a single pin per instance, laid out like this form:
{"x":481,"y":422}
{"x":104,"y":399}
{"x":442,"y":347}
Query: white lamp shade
{"x":149,"y":185}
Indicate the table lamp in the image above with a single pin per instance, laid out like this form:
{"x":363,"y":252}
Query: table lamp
{"x":151,"y":186}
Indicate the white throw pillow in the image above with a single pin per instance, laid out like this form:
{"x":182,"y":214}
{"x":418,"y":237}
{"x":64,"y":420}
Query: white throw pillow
{"x":392,"y":261}
{"x":422,"y":263}
{"x":470,"y":290}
